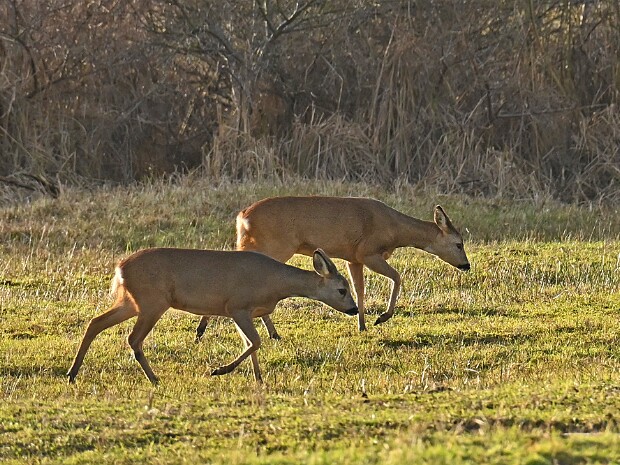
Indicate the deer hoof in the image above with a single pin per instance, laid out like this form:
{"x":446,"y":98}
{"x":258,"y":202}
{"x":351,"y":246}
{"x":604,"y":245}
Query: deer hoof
{"x":220,"y":371}
{"x":383,"y":318}
{"x":71,"y":376}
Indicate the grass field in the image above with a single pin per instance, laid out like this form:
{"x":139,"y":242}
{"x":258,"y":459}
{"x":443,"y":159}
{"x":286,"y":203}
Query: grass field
{"x":514,"y":362}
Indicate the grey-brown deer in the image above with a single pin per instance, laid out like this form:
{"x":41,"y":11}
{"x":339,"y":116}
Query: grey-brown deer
{"x":237,"y":284}
{"x":362,"y":231}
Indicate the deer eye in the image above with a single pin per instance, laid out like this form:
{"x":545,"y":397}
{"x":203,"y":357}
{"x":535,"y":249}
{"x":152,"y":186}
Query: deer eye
{"x":342,"y":292}
{"x":459,"y":246}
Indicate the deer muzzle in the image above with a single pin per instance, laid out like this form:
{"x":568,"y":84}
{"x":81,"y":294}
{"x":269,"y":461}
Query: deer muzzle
{"x":352,"y":311}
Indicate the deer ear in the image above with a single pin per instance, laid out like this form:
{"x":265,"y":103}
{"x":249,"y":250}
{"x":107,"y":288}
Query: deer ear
{"x":322,"y":264}
{"x":442,"y":220}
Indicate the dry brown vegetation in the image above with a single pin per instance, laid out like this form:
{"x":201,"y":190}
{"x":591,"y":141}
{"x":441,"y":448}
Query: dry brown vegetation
{"x":482,"y":97}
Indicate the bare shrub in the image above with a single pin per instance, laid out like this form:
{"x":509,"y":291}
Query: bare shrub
{"x":86,"y":95}
{"x":491,"y":98}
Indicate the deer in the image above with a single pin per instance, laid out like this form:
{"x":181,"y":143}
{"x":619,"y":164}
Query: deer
{"x":361,"y":231}
{"x":241,"y":285}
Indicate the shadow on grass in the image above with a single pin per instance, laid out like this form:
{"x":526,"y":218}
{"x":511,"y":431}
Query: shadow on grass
{"x":35,"y":371}
{"x":57,"y":444}
{"x":27,"y":335}
{"x":572,"y":426}
{"x":471,"y":312}
{"x":422,"y":340}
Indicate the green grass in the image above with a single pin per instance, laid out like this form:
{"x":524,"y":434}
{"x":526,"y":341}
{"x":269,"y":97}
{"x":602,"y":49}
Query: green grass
{"x":514,"y":362}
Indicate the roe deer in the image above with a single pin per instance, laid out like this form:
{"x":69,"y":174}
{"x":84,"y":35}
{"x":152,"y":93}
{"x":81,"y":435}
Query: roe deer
{"x":361,"y":231}
{"x":236,"y":284}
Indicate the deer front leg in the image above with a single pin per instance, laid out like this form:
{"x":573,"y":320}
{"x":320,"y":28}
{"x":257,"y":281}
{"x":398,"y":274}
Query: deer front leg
{"x":356,"y":272}
{"x":251,"y":340}
{"x":271,"y":329}
{"x":377,"y":264}
{"x":204,"y":321}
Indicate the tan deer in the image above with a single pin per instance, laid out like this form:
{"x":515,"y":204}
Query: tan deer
{"x":236,"y":284}
{"x":361,"y":231}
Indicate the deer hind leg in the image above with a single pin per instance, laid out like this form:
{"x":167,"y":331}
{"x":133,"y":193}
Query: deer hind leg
{"x":251,"y":341}
{"x":356,"y":273}
{"x":121,"y":311}
{"x":147,"y":317}
{"x":377,"y":264}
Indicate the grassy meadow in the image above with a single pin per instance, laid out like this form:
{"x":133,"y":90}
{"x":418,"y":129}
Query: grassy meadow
{"x":517,"y":361}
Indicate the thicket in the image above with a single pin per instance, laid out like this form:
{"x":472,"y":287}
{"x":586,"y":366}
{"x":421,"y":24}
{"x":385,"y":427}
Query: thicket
{"x":487,"y":97}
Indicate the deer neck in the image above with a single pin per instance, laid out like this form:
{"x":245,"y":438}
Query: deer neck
{"x":298,"y":283}
{"x":412,"y":232}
